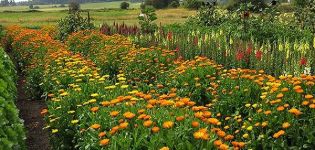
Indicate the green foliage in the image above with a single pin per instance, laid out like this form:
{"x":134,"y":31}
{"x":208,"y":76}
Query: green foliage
{"x":159,"y":4}
{"x":192,"y":4}
{"x":72,"y":23}
{"x":74,"y":6}
{"x":209,"y":15}
{"x":124,"y":5}
{"x":146,"y":20}
{"x":174,"y":4}
{"x":11,"y":128}
{"x":255,"y":5}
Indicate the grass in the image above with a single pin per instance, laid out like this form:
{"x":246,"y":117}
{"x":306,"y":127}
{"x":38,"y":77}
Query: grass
{"x":165,"y":16}
{"x":54,"y":7}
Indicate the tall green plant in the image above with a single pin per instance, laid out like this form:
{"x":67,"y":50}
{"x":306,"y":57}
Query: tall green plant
{"x":146,"y":20}
{"x":72,"y":23}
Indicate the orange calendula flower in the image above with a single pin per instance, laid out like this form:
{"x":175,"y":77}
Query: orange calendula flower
{"x":295,"y":111}
{"x":123,"y":125}
{"x":104,"y":142}
{"x":147,"y":123}
{"x":280,"y":108}
{"x":280,"y":95}
{"x":308,"y":96}
{"x":286,"y":125}
{"x":168,"y":124}
{"x":217,"y":143}
{"x":95,"y":126}
{"x":101,"y":134}
{"x":223,"y":147}
{"x":44,"y":112}
{"x":221,"y":133}
{"x":165,"y":148}
{"x":278,"y":134}
{"x":94,"y":109}
{"x":129,"y":115}
{"x":114,"y":113}
{"x":180,"y":118}
{"x":195,"y":124}
{"x":155,"y":129}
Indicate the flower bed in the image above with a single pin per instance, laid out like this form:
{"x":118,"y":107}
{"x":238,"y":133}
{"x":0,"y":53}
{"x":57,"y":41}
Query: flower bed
{"x":108,"y":94}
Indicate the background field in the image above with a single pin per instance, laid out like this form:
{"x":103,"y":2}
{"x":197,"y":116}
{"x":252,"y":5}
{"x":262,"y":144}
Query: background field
{"x":100,"y":12}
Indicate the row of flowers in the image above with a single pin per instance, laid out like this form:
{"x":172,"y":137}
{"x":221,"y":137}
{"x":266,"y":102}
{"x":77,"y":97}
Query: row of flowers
{"x":106,"y":93}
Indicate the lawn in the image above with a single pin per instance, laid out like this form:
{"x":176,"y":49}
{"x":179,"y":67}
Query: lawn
{"x":108,"y":12}
{"x":165,"y":16}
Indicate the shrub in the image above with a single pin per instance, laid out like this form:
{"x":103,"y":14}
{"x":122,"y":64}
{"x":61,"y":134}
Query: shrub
{"x":158,"y":4}
{"x":124,"y":5}
{"x":72,"y":23}
{"x":74,"y":6}
{"x":146,"y":20}
{"x":11,"y":128}
{"x":174,"y":4}
{"x":31,"y":6}
{"x":36,"y":7}
{"x":192,"y":4}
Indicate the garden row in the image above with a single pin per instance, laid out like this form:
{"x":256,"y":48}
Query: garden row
{"x":275,"y":49}
{"x":12,"y":134}
{"x":105,"y":93}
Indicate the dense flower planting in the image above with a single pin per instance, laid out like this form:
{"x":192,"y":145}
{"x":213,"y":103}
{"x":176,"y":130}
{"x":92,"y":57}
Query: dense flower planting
{"x":103,"y":92}
{"x":12,"y":134}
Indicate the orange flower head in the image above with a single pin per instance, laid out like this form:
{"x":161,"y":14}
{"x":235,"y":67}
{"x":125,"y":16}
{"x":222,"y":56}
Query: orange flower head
{"x":147,"y":123}
{"x":101,"y":134}
{"x":104,"y":142}
{"x":155,"y":129}
{"x":195,"y":124}
{"x":180,"y":118}
{"x":308,"y":96}
{"x":295,"y":111}
{"x":95,"y":126}
{"x":286,"y":125}
{"x":129,"y":115}
{"x":168,"y":124}
{"x":114,"y":113}
{"x":123,"y":125}
{"x":94,"y":109}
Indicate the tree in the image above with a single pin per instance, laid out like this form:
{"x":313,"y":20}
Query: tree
{"x":192,"y":4}
{"x":124,"y":5}
{"x":158,"y":4}
{"x":257,"y":5}
{"x":74,"y":6}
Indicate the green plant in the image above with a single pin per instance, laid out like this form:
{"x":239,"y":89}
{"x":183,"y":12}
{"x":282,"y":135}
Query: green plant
{"x":124,"y":5}
{"x":146,"y":20}
{"x":174,"y":4}
{"x":72,"y":23}
{"x":192,"y":4}
{"x":11,"y":128}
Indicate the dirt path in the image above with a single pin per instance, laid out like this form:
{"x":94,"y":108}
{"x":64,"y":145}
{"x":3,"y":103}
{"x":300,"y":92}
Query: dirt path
{"x":37,"y":138}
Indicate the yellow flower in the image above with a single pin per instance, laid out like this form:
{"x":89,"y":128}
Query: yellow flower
{"x":94,"y":95}
{"x":247,"y":105}
{"x":250,"y":128}
{"x":74,"y":121}
{"x":124,"y":86}
{"x":54,"y":130}
{"x":286,"y":125}
{"x":164,"y":148}
{"x":245,"y":136}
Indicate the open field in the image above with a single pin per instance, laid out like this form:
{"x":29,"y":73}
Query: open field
{"x":165,"y":16}
{"x":55,"y":7}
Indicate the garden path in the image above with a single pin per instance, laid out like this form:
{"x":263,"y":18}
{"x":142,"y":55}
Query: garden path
{"x":37,"y":138}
